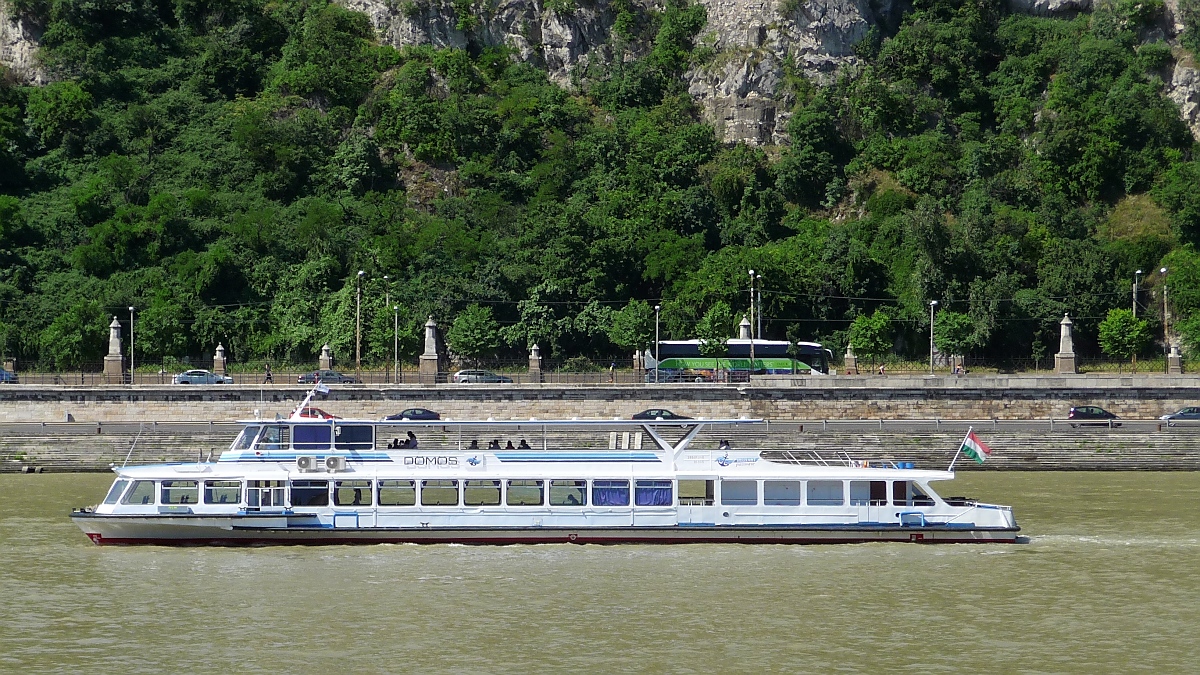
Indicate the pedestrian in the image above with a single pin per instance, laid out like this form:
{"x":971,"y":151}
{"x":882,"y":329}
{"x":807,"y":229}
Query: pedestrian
{"x":268,"y":379}
{"x":612,"y":372}
{"x":882,"y":370}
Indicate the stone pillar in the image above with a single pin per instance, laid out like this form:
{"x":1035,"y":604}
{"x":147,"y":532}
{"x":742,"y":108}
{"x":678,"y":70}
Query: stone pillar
{"x":1064,"y":360}
{"x":744,"y":329}
{"x":325,"y":362}
{"x":535,"y":364}
{"x":429,"y":359}
{"x":850,"y":365}
{"x":219,"y":360}
{"x":639,"y":366}
{"x":1174,"y":361}
{"x":114,"y":362}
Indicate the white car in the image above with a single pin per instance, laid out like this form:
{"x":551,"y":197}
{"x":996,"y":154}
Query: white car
{"x":201,"y":377}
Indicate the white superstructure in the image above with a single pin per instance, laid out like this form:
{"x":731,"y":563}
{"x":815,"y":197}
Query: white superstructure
{"x":303,"y":480}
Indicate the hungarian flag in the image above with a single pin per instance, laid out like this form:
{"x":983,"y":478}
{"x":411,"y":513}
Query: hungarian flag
{"x":974,"y":448}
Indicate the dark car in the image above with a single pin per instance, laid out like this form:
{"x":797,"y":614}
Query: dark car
{"x":1189,"y":415}
{"x":8,"y":377}
{"x":1090,"y":415}
{"x":326,"y":376}
{"x":414,"y":414}
{"x":659,"y":414}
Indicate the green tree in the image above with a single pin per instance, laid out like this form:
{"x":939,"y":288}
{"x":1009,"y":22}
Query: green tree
{"x":713,"y":331}
{"x":76,"y":336}
{"x":954,"y":333}
{"x":1123,"y":336}
{"x":871,"y":335}
{"x":632,"y":327}
{"x":474,"y":333}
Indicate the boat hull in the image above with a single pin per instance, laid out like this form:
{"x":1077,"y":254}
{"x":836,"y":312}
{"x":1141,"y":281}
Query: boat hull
{"x":176,"y":531}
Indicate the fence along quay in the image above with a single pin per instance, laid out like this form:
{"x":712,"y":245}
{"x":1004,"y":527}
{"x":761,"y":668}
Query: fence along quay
{"x":304,"y":480}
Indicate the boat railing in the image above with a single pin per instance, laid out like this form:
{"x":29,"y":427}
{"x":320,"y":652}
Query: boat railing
{"x":843,"y":458}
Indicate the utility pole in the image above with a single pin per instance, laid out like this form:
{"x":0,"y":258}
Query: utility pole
{"x":758,"y":277}
{"x":1166,"y":329}
{"x":131,"y":371}
{"x":396,"y":342}
{"x":657,"y":309}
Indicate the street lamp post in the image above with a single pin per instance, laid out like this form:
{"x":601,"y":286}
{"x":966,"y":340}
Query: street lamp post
{"x":657,"y":309}
{"x":358,"y":327}
{"x":131,"y":344}
{"x":1166,"y":328}
{"x":758,"y":278}
{"x":751,"y":320}
{"x":387,"y":300}
{"x":396,"y":342}
{"x":1135,"y":285}
{"x":932,"y":306}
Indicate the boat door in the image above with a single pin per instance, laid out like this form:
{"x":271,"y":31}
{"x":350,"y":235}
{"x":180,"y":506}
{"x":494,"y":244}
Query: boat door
{"x":870,"y":496}
{"x":353,"y":504}
{"x":696,"y":500}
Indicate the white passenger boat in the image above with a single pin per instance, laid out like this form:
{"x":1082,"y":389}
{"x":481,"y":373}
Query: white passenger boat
{"x":327,"y":481}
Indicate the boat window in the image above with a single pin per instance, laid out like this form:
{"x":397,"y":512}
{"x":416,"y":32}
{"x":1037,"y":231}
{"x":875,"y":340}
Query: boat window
{"x":352,"y":493}
{"x":180,"y":492}
{"x":439,"y":493}
{"x":310,"y":493}
{"x":273,"y":438}
{"x":481,"y":492}
{"x":696,"y":492}
{"x":142,"y":492}
{"x":825,"y":493}
{"x":360,"y":437}
{"x":114,"y":493}
{"x":610,"y":493}
{"x":311,"y":436}
{"x":653,"y":493}
{"x":261,"y":493}
{"x":245,"y":439}
{"x":524,"y":493}
{"x":781,"y":492}
{"x":908,"y":493}
{"x":868,"y":492}
{"x":222,"y":491}
{"x":739,"y":492}
{"x":397,"y":493}
{"x":568,"y":493}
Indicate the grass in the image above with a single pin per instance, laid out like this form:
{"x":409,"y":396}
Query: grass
{"x":1136,"y":216}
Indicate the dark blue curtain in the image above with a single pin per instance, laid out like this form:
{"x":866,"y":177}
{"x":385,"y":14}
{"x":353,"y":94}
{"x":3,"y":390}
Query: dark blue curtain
{"x":610,"y":493}
{"x":653,"y":493}
{"x":310,"y":437}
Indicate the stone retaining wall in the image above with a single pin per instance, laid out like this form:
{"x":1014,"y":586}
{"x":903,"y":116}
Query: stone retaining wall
{"x":1140,"y":397}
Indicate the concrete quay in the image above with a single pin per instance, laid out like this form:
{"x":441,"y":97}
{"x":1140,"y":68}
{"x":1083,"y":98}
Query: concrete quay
{"x":78,"y":447}
{"x":782,"y":398}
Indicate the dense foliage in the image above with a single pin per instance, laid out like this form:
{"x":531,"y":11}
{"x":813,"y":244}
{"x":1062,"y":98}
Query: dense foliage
{"x":227,"y":167}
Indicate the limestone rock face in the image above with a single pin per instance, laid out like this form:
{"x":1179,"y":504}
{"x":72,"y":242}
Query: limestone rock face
{"x":740,"y":91}
{"x":1050,"y":7}
{"x":1184,"y":90}
{"x":18,"y":47}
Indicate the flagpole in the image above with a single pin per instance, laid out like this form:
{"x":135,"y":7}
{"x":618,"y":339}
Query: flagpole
{"x":960,"y":446}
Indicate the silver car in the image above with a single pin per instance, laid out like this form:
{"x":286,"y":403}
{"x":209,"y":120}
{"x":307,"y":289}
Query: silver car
{"x":474,"y":376}
{"x":201,"y":377}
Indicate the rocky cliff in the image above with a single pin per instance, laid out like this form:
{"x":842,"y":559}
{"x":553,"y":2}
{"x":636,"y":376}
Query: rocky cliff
{"x":741,"y":90}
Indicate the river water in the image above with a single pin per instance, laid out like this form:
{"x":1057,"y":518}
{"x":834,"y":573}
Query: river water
{"x":1108,"y":582}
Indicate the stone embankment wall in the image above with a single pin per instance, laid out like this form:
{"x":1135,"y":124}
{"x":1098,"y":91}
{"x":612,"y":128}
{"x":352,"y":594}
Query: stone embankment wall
{"x":1011,"y":398}
{"x":81,"y":449}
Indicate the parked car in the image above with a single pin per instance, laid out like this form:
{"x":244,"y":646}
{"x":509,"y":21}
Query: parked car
{"x":201,"y":377}
{"x":8,"y":377}
{"x":317,"y":413}
{"x":1189,"y":415}
{"x":659,"y":414}
{"x":682,"y":375}
{"x":479,"y":376}
{"x":326,"y":376}
{"x":414,"y":414}
{"x":1094,"y":416}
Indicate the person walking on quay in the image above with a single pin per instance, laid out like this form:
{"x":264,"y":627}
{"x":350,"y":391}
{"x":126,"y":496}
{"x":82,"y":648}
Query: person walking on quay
{"x":268,"y":379}
{"x":612,"y":372}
